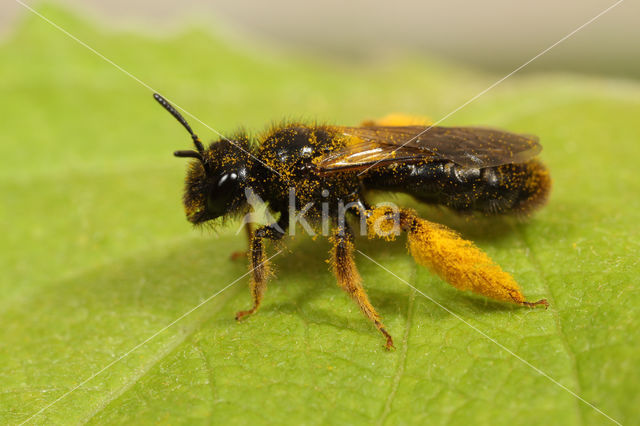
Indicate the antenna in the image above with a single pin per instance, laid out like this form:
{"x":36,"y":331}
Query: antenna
{"x":166,"y":105}
{"x":199,"y":154}
{"x":189,"y":154}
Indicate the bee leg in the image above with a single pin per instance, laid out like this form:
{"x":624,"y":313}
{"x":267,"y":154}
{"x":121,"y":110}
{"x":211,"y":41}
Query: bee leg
{"x":349,"y":279}
{"x":456,"y":260}
{"x":259,"y":265}
{"x":239,"y":254}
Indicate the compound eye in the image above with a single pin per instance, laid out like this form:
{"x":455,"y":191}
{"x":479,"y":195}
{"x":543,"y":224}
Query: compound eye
{"x":227,"y":180}
{"x":221,"y":197}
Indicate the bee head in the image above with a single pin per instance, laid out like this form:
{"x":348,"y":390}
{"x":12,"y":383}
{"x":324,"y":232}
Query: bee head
{"x":215,"y":182}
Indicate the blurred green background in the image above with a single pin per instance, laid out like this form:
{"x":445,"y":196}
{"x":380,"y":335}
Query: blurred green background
{"x":495,"y":35}
{"x":97,"y":255}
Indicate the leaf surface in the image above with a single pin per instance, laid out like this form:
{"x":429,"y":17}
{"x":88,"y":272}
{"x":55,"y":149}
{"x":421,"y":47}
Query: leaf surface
{"x":97,"y":256}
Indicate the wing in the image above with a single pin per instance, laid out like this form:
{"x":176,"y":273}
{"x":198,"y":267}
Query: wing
{"x":376,"y":146}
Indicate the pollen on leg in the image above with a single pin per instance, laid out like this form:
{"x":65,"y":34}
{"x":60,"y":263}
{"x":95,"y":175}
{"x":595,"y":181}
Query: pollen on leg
{"x":456,"y":260}
{"x":460,"y":263}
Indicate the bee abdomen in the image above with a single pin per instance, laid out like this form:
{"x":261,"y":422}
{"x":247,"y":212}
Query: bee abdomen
{"x":513,"y":188}
{"x":510,"y":188}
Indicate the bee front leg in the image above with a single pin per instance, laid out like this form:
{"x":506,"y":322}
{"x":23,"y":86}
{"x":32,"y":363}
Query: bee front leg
{"x":259,"y":264}
{"x":344,"y":268}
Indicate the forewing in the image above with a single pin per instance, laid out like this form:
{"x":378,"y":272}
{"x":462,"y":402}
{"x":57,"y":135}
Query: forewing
{"x":467,"y":146}
{"x":361,"y":154}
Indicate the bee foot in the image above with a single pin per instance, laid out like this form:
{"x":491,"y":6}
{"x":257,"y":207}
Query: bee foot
{"x":242,"y":314}
{"x":238,"y":255}
{"x":389,"y":345}
{"x":539,"y":302}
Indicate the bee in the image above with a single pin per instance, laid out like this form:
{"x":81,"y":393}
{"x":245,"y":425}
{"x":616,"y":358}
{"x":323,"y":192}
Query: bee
{"x":331,"y":169}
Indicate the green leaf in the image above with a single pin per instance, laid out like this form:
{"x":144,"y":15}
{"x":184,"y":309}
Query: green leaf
{"x":97,"y":256}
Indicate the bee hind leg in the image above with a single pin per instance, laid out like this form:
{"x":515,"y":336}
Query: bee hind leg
{"x":456,"y":260}
{"x":349,"y":279}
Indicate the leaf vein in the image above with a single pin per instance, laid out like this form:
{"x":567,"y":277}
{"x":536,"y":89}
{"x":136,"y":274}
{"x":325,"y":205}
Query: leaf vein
{"x":402,"y":361}
{"x":554,"y":312}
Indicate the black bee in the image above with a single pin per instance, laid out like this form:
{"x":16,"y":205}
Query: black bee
{"x":329,"y":170}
